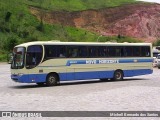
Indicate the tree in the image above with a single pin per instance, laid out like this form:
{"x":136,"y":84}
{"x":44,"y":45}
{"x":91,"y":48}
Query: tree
{"x":8,"y":16}
{"x":10,"y":43}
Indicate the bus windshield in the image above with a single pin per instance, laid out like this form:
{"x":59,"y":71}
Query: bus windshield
{"x":18,"y":58}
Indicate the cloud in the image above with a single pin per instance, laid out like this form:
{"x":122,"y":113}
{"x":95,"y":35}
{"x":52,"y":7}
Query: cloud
{"x":156,"y":1}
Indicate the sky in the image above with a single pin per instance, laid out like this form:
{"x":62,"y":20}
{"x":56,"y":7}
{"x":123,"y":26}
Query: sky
{"x":157,"y":1}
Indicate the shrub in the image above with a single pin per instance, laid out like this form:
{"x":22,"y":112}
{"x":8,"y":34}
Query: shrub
{"x":10,"y":43}
{"x":156,"y":43}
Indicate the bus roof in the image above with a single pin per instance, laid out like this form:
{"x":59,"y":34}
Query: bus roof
{"x":80,"y":43}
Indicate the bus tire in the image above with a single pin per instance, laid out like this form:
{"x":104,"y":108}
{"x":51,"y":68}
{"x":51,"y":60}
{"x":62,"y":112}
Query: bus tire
{"x":52,"y":79}
{"x":118,"y":75}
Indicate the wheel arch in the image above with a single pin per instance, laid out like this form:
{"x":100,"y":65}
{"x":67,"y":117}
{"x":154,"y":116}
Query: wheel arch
{"x":119,"y":70}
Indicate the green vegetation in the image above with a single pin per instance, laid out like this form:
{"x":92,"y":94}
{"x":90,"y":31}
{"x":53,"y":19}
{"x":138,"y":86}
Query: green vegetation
{"x":18,"y":25}
{"x":77,"y":5}
{"x":156,"y":43}
{"x":118,"y":39}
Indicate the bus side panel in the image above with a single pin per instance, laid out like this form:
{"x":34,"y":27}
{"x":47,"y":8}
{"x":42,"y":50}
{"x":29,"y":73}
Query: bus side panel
{"x":41,"y":78}
{"x":86,"y":75}
{"x":130,"y":73}
{"x":93,"y":75}
{"x":66,"y":76}
{"x":37,"y":76}
{"x":109,"y":74}
{"x":69,"y":75}
{"x":62,"y":76}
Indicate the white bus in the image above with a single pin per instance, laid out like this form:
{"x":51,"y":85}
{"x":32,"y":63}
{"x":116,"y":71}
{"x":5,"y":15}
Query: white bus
{"x":49,"y":62}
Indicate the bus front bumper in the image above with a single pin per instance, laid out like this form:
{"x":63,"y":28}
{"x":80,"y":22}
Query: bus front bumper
{"x":19,"y":78}
{"x":28,"y":78}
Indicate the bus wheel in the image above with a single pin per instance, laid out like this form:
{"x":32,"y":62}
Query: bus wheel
{"x":118,"y":75}
{"x":51,"y":80}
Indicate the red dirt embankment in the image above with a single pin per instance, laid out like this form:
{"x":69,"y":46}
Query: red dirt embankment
{"x":137,"y":20}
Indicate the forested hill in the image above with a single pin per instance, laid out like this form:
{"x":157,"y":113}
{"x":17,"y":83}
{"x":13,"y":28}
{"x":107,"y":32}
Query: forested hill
{"x":34,"y":20}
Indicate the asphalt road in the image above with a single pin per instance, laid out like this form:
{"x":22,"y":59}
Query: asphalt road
{"x":140,"y":93}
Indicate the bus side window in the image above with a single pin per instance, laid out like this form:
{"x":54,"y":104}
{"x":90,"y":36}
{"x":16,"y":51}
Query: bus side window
{"x":136,"y":51}
{"x":29,"y":59}
{"x":61,"y":51}
{"x":34,"y":56}
{"x":145,"y":51}
{"x":148,"y":54}
{"x":92,"y":51}
{"x":118,"y":51}
{"x":82,"y":51}
{"x":102,"y":51}
{"x":72,"y":51}
{"x":112,"y":51}
{"x":50,"y":51}
{"x":75,"y":52}
{"x":128,"y":51}
{"x":122,"y":52}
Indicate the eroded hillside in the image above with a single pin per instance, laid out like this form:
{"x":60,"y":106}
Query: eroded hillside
{"x":136,"y":20}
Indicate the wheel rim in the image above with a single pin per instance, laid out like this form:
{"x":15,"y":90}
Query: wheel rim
{"x":118,"y":75}
{"x":52,"y":80}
